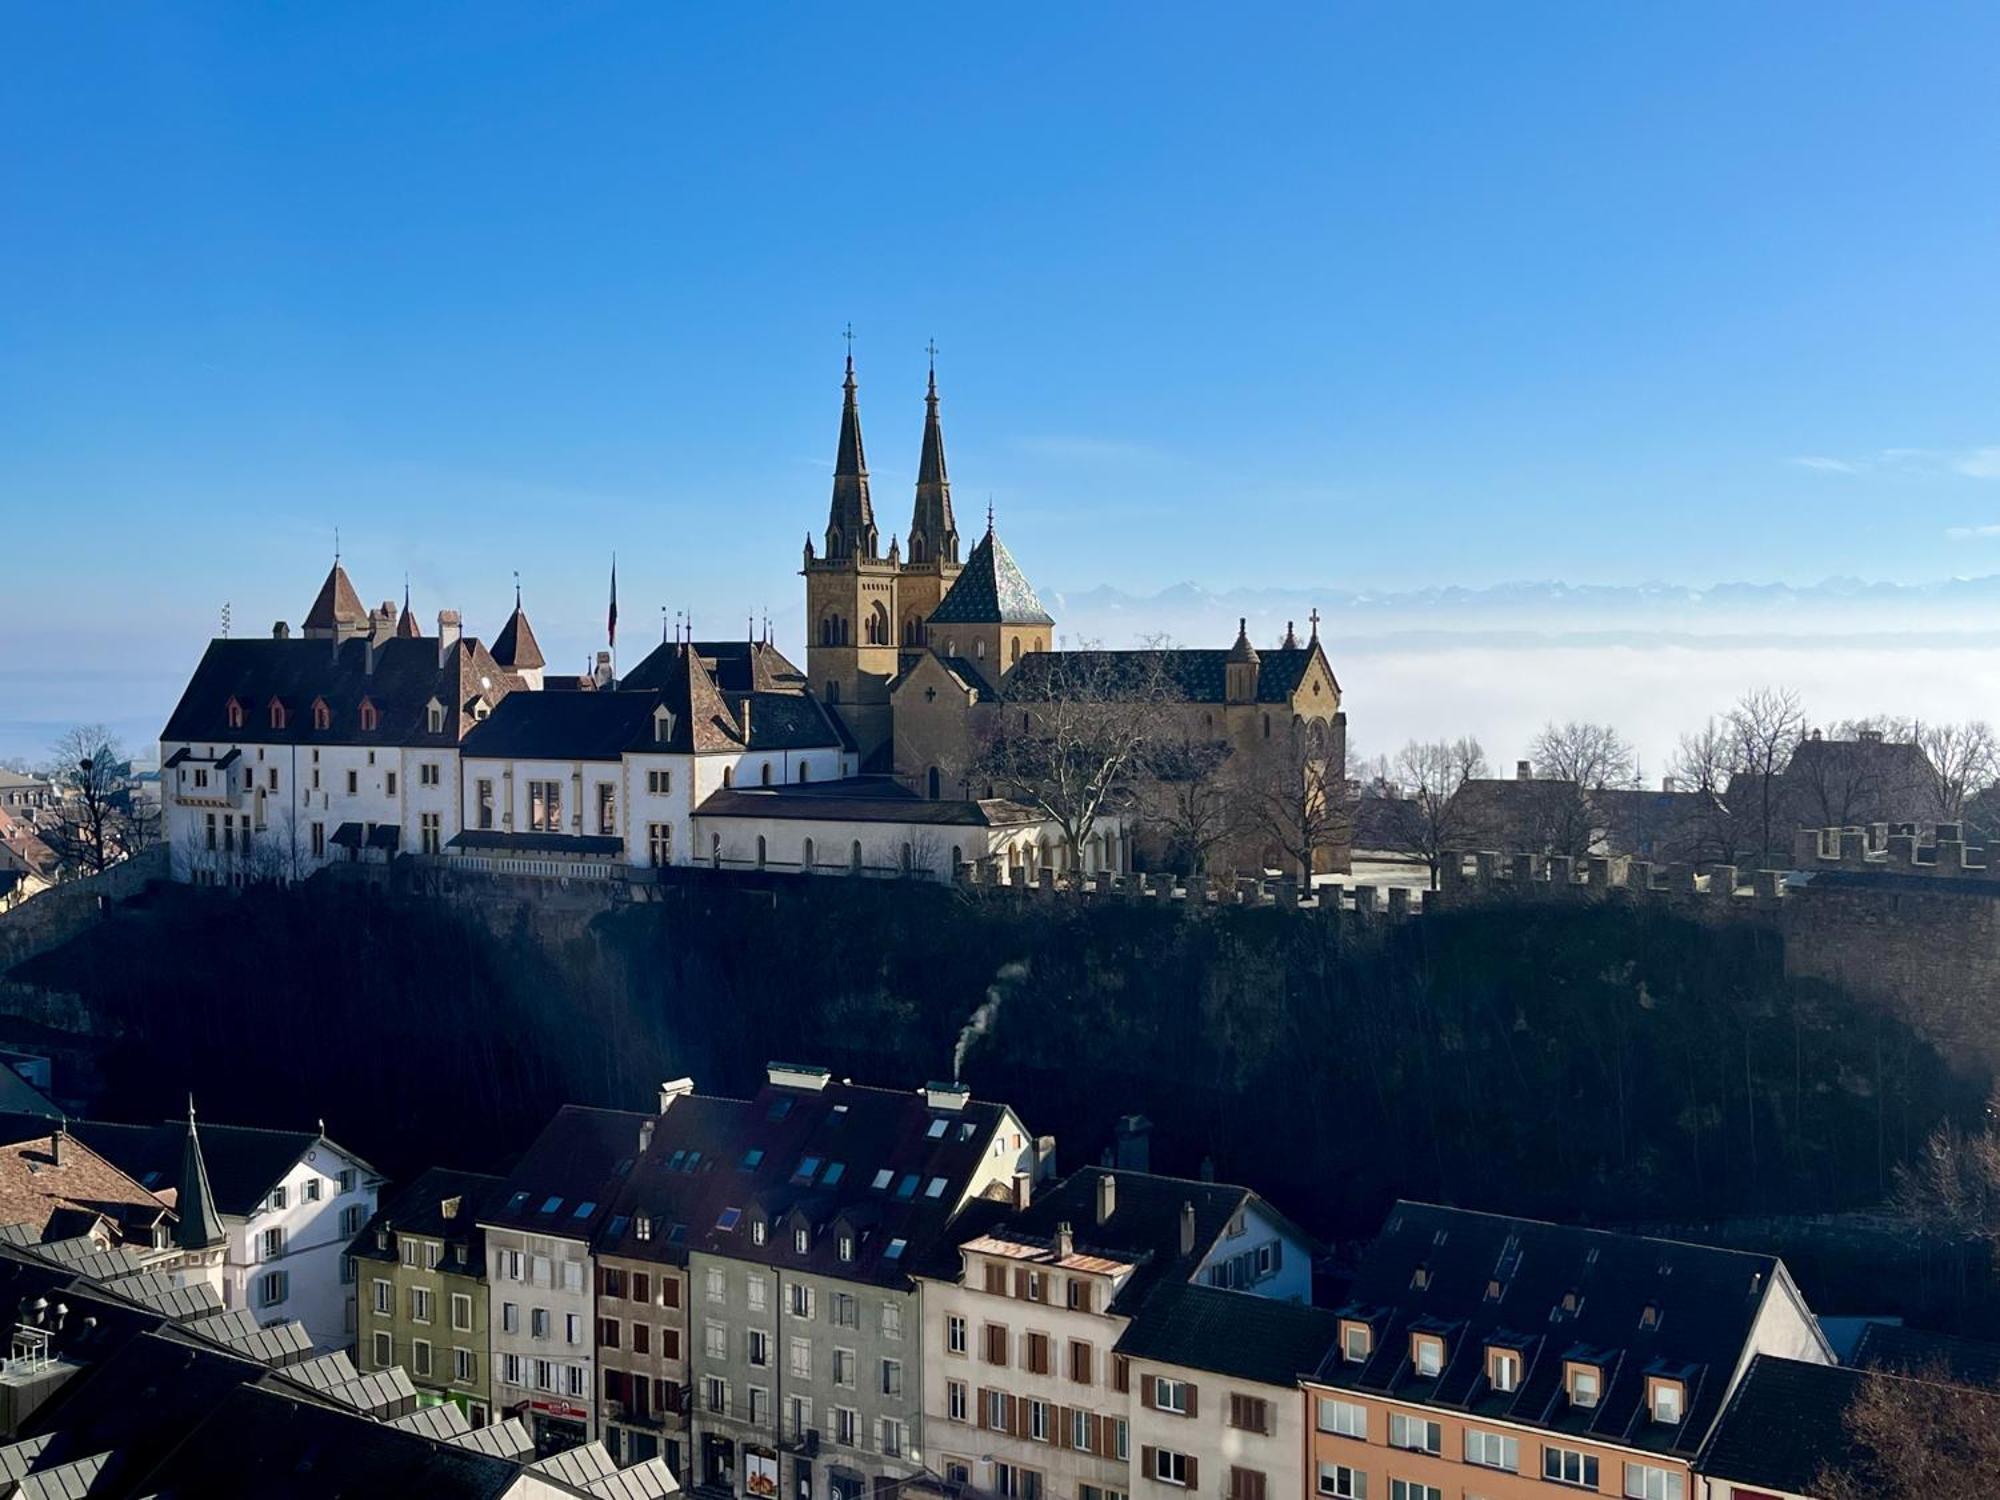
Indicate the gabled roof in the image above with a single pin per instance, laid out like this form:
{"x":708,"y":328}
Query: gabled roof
{"x":990,"y":590}
{"x":515,"y":648}
{"x":419,"y":1208}
{"x":1555,"y":1294}
{"x":1195,"y":675}
{"x":62,"y":1200}
{"x":564,"y":726}
{"x":1927,"y":1355}
{"x":407,"y":677}
{"x":677,"y":1179}
{"x":336,"y":604}
{"x":565,"y":1183}
{"x":736,"y":666}
{"x":1231,"y":1333}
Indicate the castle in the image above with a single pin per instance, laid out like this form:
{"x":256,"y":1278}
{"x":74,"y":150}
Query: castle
{"x":361,"y":738}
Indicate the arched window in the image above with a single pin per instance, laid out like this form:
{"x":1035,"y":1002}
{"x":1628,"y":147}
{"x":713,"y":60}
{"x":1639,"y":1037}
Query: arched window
{"x":935,"y":781}
{"x":235,"y":712}
{"x":913,"y":631}
{"x":908,"y":858}
{"x":715,"y":850}
{"x":855,"y":855}
{"x":322,"y":715}
{"x":806,"y":857}
{"x":767,"y":773}
{"x":805,"y":770}
{"x":957,"y":858}
{"x":951,"y":645}
{"x":1014,"y":651}
{"x":729,"y":776}
{"x":369,"y":717}
{"x":878,"y":624}
{"x":760,"y":851}
{"x":979,"y":649}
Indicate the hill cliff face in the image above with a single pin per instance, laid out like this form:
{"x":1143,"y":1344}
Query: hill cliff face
{"x":1595,"y":1062}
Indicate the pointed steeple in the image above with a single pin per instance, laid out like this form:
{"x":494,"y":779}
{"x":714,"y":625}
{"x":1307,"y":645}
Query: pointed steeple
{"x":406,"y":623}
{"x":515,"y":648}
{"x":933,"y":531}
{"x":338,"y":611}
{"x":1291,"y":640}
{"x":991,"y":591}
{"x":200,"y":1225}
{"x":850,"y":521}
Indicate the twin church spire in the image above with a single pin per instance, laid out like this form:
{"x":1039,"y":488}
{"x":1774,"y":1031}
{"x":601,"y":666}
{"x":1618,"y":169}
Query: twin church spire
{"x":851,"y":532}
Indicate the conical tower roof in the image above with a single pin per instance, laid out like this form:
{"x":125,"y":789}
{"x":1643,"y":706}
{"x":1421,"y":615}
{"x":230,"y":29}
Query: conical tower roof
{"x":850,"y":520}
{"x":200,"y":1225}
{"x":1243,"y":650}
{"x":406,"y":623}
{"x":991,"y":590}
{"x":338,"y":606}
{"x":933,"y":532}
{"x":515,"y":648}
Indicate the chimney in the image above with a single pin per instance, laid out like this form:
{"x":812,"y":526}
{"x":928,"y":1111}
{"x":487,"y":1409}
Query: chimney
{"x":1107,"y":1197}
{"x":601,"y":675}
{"x":743,"y":716}
{"x":1523,"y":771}
{"x":1065,"y":1241}
{"x":645,"y":1136}
{"x":1024,"y":1192}
{"x":280,"y":631}
{"x":675,"y":1088}
{"x":1135,"y":1149}
{"x":368,"y":657}
{"x":58,"y":1142}
{"x":947,"y":1096}
{"x":808,"y":1076}
{"x":1669,"y":784}
{"x":1187,"y":1227}
{"x":450,"y":627}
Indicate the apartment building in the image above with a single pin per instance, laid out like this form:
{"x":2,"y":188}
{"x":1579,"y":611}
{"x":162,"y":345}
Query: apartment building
{"x":805,"y":1318}
{"x":1040,"y":1388}
{"x":642,"y":1277}
{"x":542,"y":1305}
{"x":420,"y":1276}
{"x":1508,"y":1358}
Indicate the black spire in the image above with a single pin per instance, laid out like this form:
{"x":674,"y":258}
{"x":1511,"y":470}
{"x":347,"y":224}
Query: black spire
{"x":933,"y":532}
{"x":850,"y":522}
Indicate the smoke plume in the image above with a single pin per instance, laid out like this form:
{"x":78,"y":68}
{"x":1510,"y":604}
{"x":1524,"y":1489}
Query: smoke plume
{"x":982,"y":1019}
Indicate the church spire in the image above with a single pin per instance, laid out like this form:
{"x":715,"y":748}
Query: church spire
{"x":933,"y":532}
{"x":200,"y":1225}
{"x":850,"y":522}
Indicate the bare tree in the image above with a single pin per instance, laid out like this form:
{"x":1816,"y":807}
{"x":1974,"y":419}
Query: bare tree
{"x":1591,"y":755}
{"x":1434,"y":821}
{"x":1961,"y":761}
{"x":1915,"y":1439}
{"x":1704,"y":764}
{"x":1298,"y":798}
{"x":1185,"y":796}
{"x":1073,"y":736}
{"x":93,"y":827}
{"x":1765,"y":726}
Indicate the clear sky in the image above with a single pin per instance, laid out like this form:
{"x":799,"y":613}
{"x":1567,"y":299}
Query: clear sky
{"x":1330,"y":295}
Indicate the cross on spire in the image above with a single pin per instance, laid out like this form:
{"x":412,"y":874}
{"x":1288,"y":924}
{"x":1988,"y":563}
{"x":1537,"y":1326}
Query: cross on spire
{"x":1314,"y":618}
{"x":517,"y":588}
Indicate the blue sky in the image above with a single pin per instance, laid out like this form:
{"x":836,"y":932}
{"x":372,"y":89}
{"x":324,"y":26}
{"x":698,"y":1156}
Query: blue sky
{"x":1328,"y":295}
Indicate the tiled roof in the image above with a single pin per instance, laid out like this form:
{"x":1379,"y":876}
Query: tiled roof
{"x":244,"y":1162}
{"x":516,"y":648}
{"x":336,"y":603}
{"x":38,"y":1194}
{"x":564,"y":726}
{"x":861,"y":799}
{"x":565,"y":1184}
{"x":1231,"y":1333}
{"x":407,"y":676}
{"x":1195,"y":675}
{"x":676,"y":1179}
{"x":990,"y":590}
{"x":873,"y":1136}
{"x":418,"y":1209}
{"x":737,"y":667}
{"x":1556,"y":1294}
{"x":1785,"y":1424}
{"x":1918,"y":1352}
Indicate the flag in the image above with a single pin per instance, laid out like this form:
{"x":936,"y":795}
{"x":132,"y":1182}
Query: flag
{"x":611,"y":620}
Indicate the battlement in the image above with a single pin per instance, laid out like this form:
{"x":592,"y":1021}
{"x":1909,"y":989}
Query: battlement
{"x":1194,"y":894}
{"x":1485,"y":875}
{"x":1895,"y":849}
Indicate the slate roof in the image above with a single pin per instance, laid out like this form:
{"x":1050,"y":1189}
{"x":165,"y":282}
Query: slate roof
{"x":515,"y":647}
{"x":606,"y":726}
{"x":872,"y":1135}
{"x":566,"y":1182}
{"x":1195,"y":675}
{"x":586,"y":844}
{"x":244,"y":1162}
{"x":1488,"y":1279}
{"x":418,"y":1209}
{"x":1231,"y":1333}
{"x":850,"y":522}
{"x":990,"y":590}
{"x":406,"y":677}
{"x":861,"y":799}
{"x":676,"y":1180}
{"x":337,"y":603}
{"x":1786,"y":1422}
{"x":737,"y":667}
{"x":564,"y":726}
{"x":1926,"y":1355}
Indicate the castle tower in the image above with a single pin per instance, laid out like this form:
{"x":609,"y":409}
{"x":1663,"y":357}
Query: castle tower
{"x":516,"y":649}
{"x":933,"y":563}
{"x":1240,"y":668}
{"x":991,"y":616}
{"x":851,"y":597}
{"x":338,"y":613}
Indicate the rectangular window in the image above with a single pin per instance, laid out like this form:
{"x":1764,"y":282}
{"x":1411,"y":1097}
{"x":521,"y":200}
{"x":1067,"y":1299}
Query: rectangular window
{"x":1346,"y":1418}
{"x":758,"y":1347}
{"x":1492,"y":1450}
{"x":659,"y":783}
{"x":607,"y":808}
{"x":1082,"y":1366}
{"x":385,"y":1296}
{"x":954,"y":1334}
{"x":545,"y":806}
{"x":484,"y":798}
{"x":846,"y":1310}
{"x":538,"y":1322}
{"x":1171,"y":1395}
{"x":760,"y":1406}
{"x":892,"y":1377}
{"x":757,"y":1294}
{"x":894,"y":1437}
{"x":1339,"y":1482}
{"x":430,"y":827}
{"x":1246,"y":1484}
{"x":1170,"y":1467}
{"x":718,"y":1284}
{"x":389,"y":783}
{"x":312,"y":1189}
{"x":715,"y":1395}
{"x":1649,"y":1482}
{"x":1415,"y":1433}
{"x":660,"y":843}
{"x":843,"y":1367}
{"x":1250,"y":1413}
{"x":319,"y":841}
{"x":1355,"y":1341}
{"x":463,"y":1369}
{"x":799,"y":1300}
{"x":1035,"y":1353}
{"x":420,"y":1304}
{"x":892,"y":1320}
{"x":996,"y":1344}
{"x":846,"y":1426}
{"x":273,"y":1287}
{"x":1568,"y":1466}
{"x":461,"y":1312}
{"x":353,"y":783}
{"x":1410,"y":1489}
{"x":954,"y":1399}
{"x":510,"y":1317}
{"x":384,"y":1351}
{"x":801,"y":1360}
{"x":420,"y":1357}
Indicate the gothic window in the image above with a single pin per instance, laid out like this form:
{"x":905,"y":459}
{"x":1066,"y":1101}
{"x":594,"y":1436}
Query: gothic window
{"x":767,"y":773}
{"x":913,"y":631}
{"x":369,"y":718}
{"x":979,"y":649}
{"x":760,"y":851}
{"x":950,"y":646}
{"x":935,"y":779}
{"x":277,"y":714}
{"x":878,"y":625}
{"x":806,"y":856}
{"x":322,"y":715}
{"x":1014,"y":651}
{"x":235,"y":711}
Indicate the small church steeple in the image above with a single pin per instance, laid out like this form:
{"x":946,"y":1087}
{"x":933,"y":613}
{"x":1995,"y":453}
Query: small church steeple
{"x":200,"y":1226}
{"x":850,"y":522}
{"x":933,"y":531}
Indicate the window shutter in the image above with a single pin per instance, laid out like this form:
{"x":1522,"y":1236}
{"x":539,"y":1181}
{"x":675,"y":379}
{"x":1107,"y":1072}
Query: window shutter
{"x":1121,"y":1374}
{"x":985,"y":1406}
{"x":1148,"y":1392}
{"x":1193,"y":1468}
{"x":996,"y":1279}
{"x":1060,"y":1416}
{"x":1094,"y":1433}
{"x":1193,"y":1409}
{"x":1013,"y":1413}
{"x":1020,"y":1283}
{"x":1149,"y":1461}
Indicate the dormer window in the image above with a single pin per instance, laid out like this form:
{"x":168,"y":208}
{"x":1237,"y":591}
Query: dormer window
{"x":235,"y":712}
{"x":757,"y":1231}
{"x":369,"y":718}
{"x":1649,"y":1316}
{"x":277,"y":711}
{"x":1426,"y":1354}
{"x":1585,"y":1383}
{"x":434,"y":717}
{"x":663,"y":726}
{"x":1420,"y":1278}
{"x":1503,"y":1369}
{"x":322,"y":715}
{"x":802,"y":1239}
{"x":1357,"y":1341}
{"x":1572,"y":1303}
{"x":846,"y":1246}
{"x":642,"y":1226}
{"x":1666,"y":1400}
